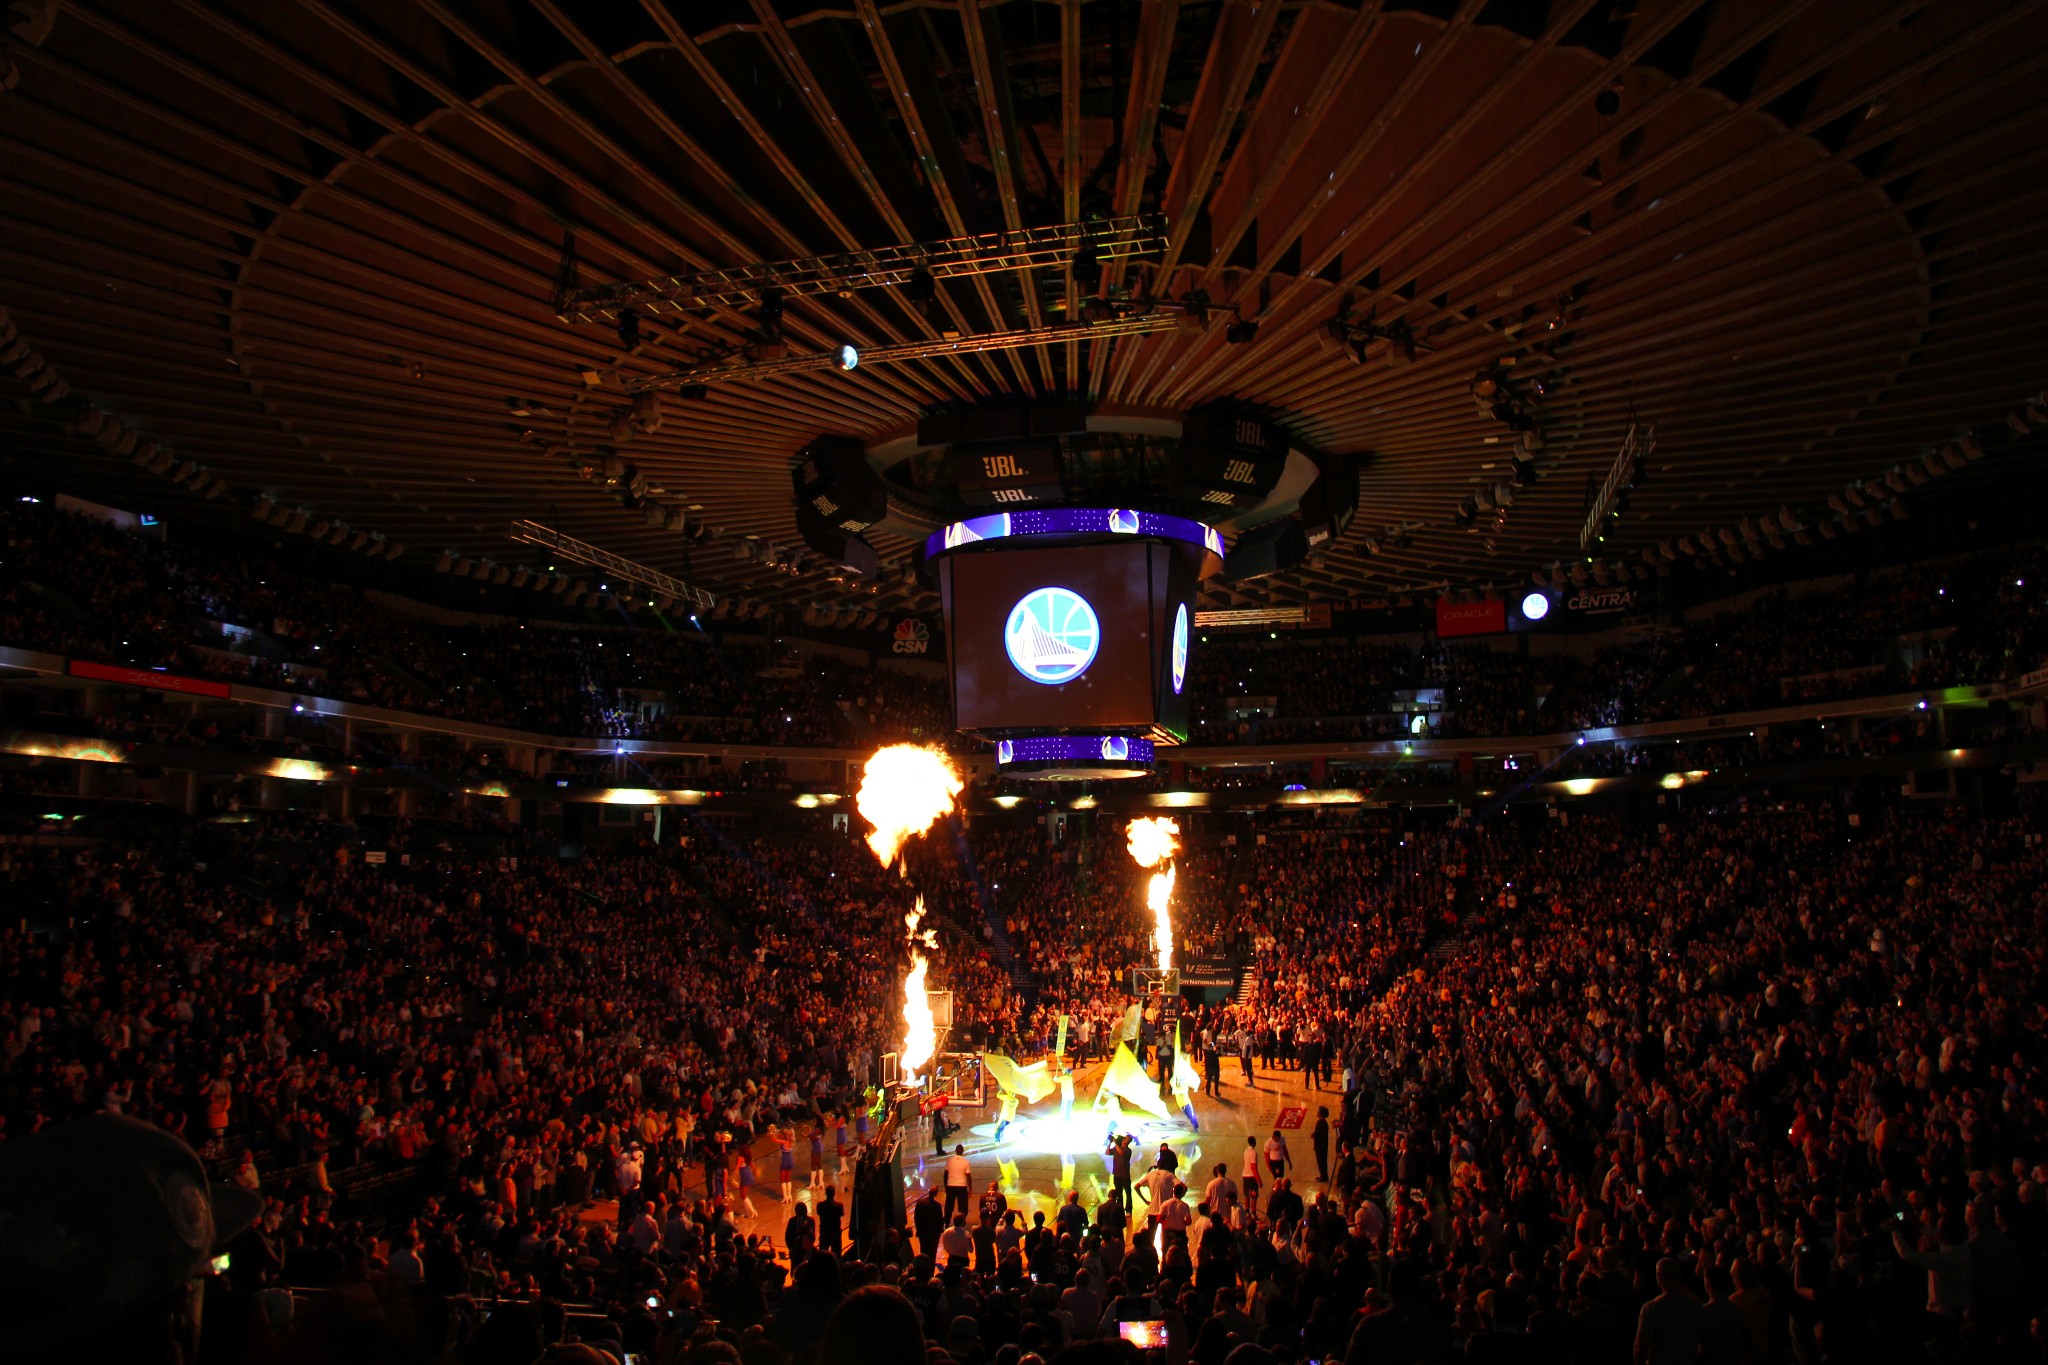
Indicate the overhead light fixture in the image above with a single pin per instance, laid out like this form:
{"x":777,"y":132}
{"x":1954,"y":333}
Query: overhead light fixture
{"x":1087,"y":268}
{"x":772,"y":346}
{"x":848,"y":357}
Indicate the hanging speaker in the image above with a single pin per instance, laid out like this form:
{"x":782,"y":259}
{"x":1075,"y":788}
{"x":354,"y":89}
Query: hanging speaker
{"x":1331,"y":501}
{"x":843,"y":548}
{"x":1229,"y":457}
{"x":834,"y":482}
{"x":1268,"y":549}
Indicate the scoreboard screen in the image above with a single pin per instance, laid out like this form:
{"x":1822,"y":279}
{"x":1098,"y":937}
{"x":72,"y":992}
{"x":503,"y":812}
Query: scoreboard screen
{"x":1071,"y":637}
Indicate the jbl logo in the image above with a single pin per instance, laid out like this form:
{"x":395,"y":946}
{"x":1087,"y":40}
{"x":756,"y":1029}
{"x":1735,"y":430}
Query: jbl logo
{"x":1250,"y":433}
{"x":1239,"y":471}
{"x":1010,"y":494}
{"x":1221,"y":496}
{"x":1000,"y":467}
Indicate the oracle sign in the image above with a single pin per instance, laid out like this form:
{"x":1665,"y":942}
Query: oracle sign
{"x":1489,"y":617}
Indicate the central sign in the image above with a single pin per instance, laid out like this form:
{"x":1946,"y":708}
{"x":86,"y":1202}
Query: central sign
{"x":1052,"y":635}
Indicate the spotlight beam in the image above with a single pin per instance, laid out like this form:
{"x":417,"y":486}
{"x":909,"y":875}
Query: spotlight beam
{"x":1053,"y":334}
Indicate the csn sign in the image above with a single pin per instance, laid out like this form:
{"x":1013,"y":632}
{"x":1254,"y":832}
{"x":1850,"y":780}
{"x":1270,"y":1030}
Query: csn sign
{"x":911,"y":637}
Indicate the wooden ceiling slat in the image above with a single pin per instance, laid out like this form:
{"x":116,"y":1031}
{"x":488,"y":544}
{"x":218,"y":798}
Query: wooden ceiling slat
{"x":1815,"y":302}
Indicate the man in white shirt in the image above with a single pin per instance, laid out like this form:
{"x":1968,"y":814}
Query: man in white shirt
{"x":959,"y":1182}
{"x":1175,"y":1215}
{"x":1220,"y":1192}
{"x":1277,"y":1159}
{"x":626,"y":1171}
{"x":1155,"y":1187}
{"x":956,"y":1243}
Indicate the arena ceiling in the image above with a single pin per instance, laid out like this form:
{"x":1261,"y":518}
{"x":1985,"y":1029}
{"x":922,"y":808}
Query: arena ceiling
{"x":312,"y":245}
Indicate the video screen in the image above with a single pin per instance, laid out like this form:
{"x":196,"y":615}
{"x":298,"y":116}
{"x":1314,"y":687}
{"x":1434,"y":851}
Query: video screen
{"x":1071,"y":637}
{"x":1146,"y":1336}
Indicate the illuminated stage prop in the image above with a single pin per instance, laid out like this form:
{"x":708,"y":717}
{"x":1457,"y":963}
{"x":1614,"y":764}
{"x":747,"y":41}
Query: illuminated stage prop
{"x":1185,"y":1080}
{"x":1027,"y":1083}
{"x":1127,"y":1080}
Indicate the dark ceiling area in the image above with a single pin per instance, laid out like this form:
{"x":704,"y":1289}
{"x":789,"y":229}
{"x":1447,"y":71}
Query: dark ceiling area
{"x":309,"y":249}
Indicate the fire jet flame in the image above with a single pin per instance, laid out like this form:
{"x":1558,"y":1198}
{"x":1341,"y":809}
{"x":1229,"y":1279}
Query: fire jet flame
{"x":1154,"y":840}
{"x":920,"y":1033}
{"x":903,"y":789}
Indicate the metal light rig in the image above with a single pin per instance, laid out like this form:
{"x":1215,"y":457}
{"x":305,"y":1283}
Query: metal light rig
{"x":1104,"y":240}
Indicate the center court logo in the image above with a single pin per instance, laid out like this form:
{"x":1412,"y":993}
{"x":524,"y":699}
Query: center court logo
{"x":1052,"y":635}
{"x":1179,"y":658}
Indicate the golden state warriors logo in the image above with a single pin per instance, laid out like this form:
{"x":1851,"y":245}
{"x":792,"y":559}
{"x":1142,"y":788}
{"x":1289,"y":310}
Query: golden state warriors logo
{"x":1052,"y":635}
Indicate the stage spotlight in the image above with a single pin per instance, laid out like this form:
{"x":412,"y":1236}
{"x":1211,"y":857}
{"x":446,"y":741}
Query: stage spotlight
{"x":848,"y":357}
{"x":1243,"y":332}
{"x":1087,"y":266}
{"x":1535,"y":606}
{"x":647,"y":412}
{"x":770,"y":314}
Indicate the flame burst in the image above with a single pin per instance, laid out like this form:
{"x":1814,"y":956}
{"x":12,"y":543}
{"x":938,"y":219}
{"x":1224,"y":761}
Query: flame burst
{"x":903,"y":789}
{"x":1154,"y":840}
{"x":920,"y":1033}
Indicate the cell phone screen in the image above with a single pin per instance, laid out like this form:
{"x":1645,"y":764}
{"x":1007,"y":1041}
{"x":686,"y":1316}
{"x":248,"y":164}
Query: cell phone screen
{"x":1144,"y":1335}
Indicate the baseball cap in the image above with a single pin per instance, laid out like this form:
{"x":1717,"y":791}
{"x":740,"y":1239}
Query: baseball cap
{"x":100,"y":1218}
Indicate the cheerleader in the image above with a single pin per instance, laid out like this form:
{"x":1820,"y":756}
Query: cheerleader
{"x":817,"y":1156}
{"x":746,"y":1169}
{"x":785,"y":1158}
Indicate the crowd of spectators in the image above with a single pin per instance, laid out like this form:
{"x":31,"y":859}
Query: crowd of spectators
{"x":1762,"y":1085}
{"x":82,"y":587}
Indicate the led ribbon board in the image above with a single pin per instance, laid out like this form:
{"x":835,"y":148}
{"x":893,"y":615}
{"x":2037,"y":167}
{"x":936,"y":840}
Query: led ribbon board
{"x":1077,"y":521}
{"x":1178,"y":661}
{"x":1074,"y":749}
